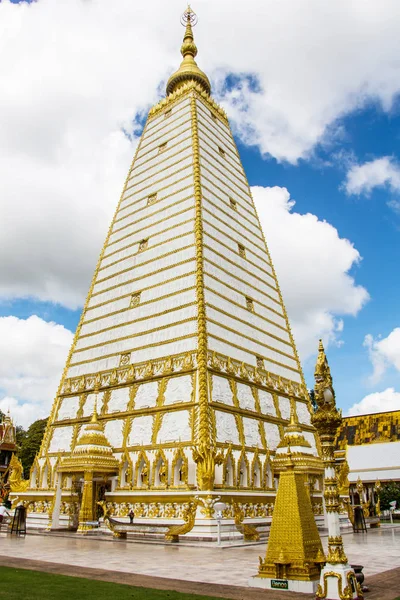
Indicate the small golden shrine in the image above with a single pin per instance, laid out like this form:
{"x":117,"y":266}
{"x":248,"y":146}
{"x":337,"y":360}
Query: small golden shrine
{"x":294,"y":552}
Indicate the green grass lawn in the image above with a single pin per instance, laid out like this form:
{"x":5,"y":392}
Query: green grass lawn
{"x":21,"y":584}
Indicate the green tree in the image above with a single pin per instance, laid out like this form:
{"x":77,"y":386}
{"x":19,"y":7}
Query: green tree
{"x":390,"y":491}
{"x":314,"y":404}
{"x":30,"y":444}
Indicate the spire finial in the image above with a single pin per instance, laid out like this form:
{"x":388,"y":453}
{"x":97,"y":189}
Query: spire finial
{"x":94,"y":414}
{"x":188,"y":69}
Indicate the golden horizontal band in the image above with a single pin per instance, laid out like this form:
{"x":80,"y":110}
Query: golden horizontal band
{"x":160,"y":343}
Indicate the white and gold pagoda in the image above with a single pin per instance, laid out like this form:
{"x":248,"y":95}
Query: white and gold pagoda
{"x":184,"y":337}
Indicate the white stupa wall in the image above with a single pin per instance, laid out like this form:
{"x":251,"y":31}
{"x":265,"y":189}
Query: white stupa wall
{"x":233,"y":329}
{"x":164,"y":321}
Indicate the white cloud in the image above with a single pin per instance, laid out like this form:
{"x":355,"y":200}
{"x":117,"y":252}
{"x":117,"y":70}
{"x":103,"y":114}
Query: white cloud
{"x":32,"y":356}
{"x":384,"y":353}
{"x":362,"y":179}
{"x":376,"y":402}
{"x":74,"y":73}
{"x":313,"y":268}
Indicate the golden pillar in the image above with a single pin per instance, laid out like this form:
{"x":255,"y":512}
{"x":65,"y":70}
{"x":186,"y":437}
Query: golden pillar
{"x":338,"y":580}
{"x":86,"y":510}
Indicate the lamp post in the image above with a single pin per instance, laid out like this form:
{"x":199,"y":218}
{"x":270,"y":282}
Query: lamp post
{"x":338,"y":580}
{"x":219,"y":507}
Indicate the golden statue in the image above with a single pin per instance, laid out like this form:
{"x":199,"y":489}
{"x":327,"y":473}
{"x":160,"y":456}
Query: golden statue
{"x":16,"y":477}
{"x":144,"y":475}
{"x":162,"y":474}
{"x":343,"y":478}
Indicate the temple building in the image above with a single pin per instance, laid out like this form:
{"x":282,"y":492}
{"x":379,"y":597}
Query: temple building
{"x":183,"y":353}
{"x":370,"y":444}
{"x":8,"y":445}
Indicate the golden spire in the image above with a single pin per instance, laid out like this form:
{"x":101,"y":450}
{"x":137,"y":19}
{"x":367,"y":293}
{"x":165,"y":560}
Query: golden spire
{"x":188,"y":71}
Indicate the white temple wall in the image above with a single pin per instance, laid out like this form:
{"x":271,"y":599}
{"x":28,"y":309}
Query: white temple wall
{"x":254,"y":319}
{"x":159,"y":350}
{"x":246,"y":329}
{"x":143,"y":311}
{"x":239,"y":279}
{"x":171,"y":271}
{"x":219,"y":218}
{"x":150,"y":226}
{"x":142,"y":209}
{"x":221,"y":130}
{"x":225,"y":247}
{"x":153,"y":295}
{"x":142,"y":271}
{"x":142,"y":339}
{"x":178,"y":150}
{"x":231,"y":239}
{"x":156,"y":184}
{"x":141,"y":327}
{"x":215,"y":288}
{"x":150,"y":155}
{"x":135,"y":209}
{"x":166,"y":242}
{"x":162,"y":125}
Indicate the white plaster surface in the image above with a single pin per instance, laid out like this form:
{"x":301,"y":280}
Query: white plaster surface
{"x":154,"y":184}
{"x":140,"y":327}
{"x":267,"y":405}
{"x":303,"y":413}
{"x":251,"y":432}
{"x":88,"y":406}
{"x":61,"y":439}
{"x":146,"y":395}
{"x":181,"y":236}
{"x":141,"y":209}
{"x":141,"y":431}
{"x":311,"y":439}
{"x":179,"y":389}
{"x":69,"y":408}
{"x":374,"y":461}
{"x":226,"y":427}
{"x":245,"y":396}
{"x":218,"y":211}
{"x":114,"y":432}
{"x":149,"y":279}
{"x":272,"y":435}
{"x":284,"y":407}
{"x":221,"y":390}
{"x":175,"y":427}
{"x":119,"y":400}
{"x":149,"y":305}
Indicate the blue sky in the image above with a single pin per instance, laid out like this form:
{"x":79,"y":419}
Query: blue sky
{"x":330,"y":137}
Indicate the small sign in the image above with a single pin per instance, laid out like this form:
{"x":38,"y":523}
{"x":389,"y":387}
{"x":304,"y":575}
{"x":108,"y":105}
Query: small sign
{"x":279,"y":584}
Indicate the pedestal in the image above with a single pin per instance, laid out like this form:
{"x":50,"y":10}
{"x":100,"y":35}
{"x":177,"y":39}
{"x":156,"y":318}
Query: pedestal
{"x":289,"y":585}
{"x":338,"y":583}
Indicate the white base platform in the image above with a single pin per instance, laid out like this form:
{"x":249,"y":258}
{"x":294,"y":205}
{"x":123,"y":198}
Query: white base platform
{"x":293,"y":585}
{"x":331,"y":584}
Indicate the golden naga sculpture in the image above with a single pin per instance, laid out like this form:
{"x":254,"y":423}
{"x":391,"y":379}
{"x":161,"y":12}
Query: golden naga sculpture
{"x":206,"y":458}
{"x":16,"y":478}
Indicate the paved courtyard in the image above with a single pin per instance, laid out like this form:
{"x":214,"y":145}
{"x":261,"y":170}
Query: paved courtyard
{"x":378,"y":550}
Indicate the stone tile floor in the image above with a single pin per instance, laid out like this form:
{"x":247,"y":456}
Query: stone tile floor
{"x":378,"y":550}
